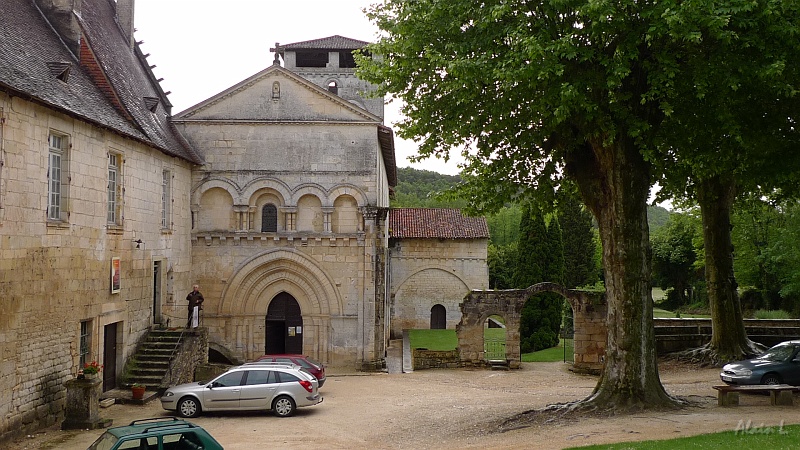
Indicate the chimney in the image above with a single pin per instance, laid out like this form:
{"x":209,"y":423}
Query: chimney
{"x":62,"y":15}
{"x":125,"y":18}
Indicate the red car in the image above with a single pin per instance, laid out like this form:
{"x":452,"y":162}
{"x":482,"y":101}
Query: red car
{"x":316,"y":369}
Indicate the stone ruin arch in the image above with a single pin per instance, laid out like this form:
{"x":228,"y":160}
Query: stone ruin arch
{"x":589,"y":316}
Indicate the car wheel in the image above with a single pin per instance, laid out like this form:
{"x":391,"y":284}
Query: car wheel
{"x":283,"y":406}
{"x":188,"y":407}
{"x":771,"y":378}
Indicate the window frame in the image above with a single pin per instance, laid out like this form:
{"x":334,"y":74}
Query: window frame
{"x":57,"y":175}
{"x":114,"y":193}
{"x":166,"y":199}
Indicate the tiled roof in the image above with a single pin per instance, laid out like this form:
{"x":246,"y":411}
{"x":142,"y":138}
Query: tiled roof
{"x":435,"y":223}
{"x":329,"y":43}
{"x":30,"y":49}
{"x":130,"y":77}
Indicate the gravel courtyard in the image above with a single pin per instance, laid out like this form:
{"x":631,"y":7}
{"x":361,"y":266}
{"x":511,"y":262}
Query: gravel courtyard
{"x":455,"y":409}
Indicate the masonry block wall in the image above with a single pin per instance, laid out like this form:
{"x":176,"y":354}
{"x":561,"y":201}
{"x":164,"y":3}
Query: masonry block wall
{"x":428,"y":272}
{"x":589,"y":313}
{"x":54,"y":275}
{"x":286,"y":204}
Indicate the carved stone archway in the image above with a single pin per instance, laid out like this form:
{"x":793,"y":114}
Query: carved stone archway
{"x":589,"y":314}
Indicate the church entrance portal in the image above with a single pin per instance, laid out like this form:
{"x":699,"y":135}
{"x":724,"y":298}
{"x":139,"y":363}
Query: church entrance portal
{"x":284,"y":326}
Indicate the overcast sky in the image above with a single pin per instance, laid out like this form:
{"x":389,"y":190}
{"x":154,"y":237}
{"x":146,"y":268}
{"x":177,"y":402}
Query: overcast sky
{"x":202,"y":47}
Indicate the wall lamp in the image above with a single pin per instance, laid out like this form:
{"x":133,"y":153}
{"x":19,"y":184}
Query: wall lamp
{"x":139,"y":243}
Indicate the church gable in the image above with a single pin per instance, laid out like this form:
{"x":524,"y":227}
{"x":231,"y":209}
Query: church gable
{"x":277,"y":95}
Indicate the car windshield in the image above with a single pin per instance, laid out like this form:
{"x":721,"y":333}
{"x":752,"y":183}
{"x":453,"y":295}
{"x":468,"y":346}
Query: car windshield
{"x":778,"y":353}
{"x":104,"y":442}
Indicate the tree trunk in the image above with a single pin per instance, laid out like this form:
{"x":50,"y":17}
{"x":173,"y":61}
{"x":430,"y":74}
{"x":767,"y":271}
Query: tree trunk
{"x":729,"y":340}
{"x":614,"y":181}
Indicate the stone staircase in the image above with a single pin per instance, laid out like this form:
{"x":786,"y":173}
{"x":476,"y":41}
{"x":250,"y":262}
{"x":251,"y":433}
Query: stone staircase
{"x":150,"y":363}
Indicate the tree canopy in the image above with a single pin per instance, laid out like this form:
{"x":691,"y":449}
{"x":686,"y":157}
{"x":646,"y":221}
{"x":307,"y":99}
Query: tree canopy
{"x":532,"y":91}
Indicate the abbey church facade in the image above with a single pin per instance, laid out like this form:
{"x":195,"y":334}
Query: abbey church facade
{"x":272,"y":195}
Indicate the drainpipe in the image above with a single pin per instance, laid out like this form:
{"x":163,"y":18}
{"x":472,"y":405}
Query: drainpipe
{"x":2,"y":150}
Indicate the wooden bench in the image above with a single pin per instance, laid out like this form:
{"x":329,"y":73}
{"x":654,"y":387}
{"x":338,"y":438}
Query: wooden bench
{"x":779,"y":394}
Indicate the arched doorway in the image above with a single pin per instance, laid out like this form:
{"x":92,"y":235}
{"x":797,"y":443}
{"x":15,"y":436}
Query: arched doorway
{"x":284,"y":326}
{"x":438,"y":317}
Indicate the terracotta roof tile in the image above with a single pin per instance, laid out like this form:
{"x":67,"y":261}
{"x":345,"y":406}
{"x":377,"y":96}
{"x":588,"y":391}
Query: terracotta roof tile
{"x":435,"y":223}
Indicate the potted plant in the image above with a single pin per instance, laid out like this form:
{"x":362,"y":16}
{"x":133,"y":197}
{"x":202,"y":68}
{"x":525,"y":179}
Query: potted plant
{"x":90,"y":370}
{"x":137,"y":391}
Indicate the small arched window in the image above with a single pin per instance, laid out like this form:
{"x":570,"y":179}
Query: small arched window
{"x":438,"y":317}
{"x":333,"y":87}
{"x":269,"y":218}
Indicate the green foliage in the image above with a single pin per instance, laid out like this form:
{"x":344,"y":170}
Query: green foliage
{"x":657,"y":217}
{"x":771,"y":314}
{"x":580,"y":266}
{"x":531,"y":255}
{"x":674,"y":257}
{"x":540,"y":322}
{"x":504,"y":225}
{"x":424,"y":189}
{"x":502,"y":262}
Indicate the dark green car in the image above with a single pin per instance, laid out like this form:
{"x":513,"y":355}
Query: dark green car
{"x":156,"y":434}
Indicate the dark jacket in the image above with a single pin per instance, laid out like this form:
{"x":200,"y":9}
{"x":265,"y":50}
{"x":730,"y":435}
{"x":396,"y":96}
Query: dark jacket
{"x":195,"y":299}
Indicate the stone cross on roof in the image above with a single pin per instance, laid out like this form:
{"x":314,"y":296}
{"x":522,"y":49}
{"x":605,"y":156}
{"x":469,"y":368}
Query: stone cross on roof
{"x":277,"y":50}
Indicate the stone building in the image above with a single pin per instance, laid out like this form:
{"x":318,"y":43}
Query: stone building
{"x":273,"y":195}
{"x":94,"y":201}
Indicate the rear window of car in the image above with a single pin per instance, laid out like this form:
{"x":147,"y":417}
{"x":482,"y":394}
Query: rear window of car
{"x":284,"y":377}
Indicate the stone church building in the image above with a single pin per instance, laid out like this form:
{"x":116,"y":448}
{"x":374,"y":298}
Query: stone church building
{"x":272,"y":195}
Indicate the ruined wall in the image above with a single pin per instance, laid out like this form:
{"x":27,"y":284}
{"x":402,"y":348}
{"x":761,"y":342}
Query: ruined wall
{"x":589,"y":313}
{"x":56,"y":274}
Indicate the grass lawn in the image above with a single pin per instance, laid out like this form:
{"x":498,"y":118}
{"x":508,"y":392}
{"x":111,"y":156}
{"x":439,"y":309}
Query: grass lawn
{"x":439,"y":340}
{"x":776,"y":437}
{"x":663,"y":313}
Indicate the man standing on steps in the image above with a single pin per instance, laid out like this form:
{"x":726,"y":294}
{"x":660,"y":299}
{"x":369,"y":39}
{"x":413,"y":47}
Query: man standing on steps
{"x":195,"y":299}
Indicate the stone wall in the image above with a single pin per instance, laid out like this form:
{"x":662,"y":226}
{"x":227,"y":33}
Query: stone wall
{"x":589,"y":313}
{"x":193,"y":353}
{"x":56,"y":274}
{"x":427,"y":272}
{"x":432,"y":359}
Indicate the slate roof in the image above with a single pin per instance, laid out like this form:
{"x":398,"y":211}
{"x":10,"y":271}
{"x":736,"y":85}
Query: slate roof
{"x":435,"y":223}
{"x":329,"y":43}
{"x":29,"y":46}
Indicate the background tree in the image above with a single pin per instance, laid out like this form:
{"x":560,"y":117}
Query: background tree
{"x":729,"y":124}
{"x":580,"y":267}
{"x":540,"y":258}
{"x":674,"y":258}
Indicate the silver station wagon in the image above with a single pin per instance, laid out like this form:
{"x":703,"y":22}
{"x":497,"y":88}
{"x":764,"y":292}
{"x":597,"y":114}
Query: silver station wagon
{"x":281,"y":388}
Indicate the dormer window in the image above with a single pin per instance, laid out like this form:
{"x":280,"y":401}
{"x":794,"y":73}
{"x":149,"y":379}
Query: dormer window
{"x":60,"y":70}
{"x":333,"y":87}
{"x":151,"y":103}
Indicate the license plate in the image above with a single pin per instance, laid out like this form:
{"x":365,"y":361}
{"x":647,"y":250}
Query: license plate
{"x":724,"y":378}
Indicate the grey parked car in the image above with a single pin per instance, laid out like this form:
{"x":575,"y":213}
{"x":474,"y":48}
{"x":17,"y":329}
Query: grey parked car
{"x":778,"y":365}
{"x":281,"y":388}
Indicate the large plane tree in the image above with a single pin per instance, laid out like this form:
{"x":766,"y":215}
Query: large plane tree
{"x":535,"y":90}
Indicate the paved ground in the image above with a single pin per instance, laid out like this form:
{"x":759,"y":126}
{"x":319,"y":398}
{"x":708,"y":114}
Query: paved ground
{"x":456,"y":409}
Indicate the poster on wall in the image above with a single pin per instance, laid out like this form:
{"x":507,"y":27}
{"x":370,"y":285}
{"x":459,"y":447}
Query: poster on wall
{"x":115,"y":275}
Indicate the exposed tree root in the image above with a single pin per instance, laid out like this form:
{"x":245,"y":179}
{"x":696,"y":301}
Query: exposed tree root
{"x":565,"y":413}
{"x":707,"y":356}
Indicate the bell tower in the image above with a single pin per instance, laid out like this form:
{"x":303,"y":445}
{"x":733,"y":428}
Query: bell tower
{"x":329,"y":63}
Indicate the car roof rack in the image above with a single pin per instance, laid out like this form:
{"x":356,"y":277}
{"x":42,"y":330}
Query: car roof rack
{"x":271,"y":363}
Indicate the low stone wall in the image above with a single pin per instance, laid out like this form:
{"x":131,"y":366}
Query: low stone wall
{"x":674,"y":335}
{"x":435,"y":359}
{"x":192,"y":353}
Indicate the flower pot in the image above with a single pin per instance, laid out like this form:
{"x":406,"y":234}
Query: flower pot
{"x":137,"y":392}
{"x":89,"y":376}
